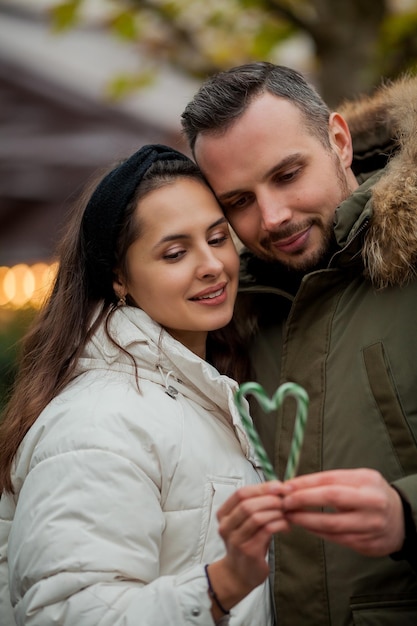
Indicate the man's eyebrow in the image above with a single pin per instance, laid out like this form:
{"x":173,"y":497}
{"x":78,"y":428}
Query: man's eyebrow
{"x":176,"y":236}
{"x":284,"y":163}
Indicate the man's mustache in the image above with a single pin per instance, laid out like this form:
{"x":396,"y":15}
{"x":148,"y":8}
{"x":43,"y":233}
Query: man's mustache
{"x":285,"y":232}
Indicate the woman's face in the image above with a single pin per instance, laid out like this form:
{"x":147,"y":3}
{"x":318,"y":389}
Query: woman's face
{"x":183,"y":269}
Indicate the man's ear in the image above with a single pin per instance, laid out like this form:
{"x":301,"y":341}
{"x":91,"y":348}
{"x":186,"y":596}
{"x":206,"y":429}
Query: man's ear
{"x":340,"y":138}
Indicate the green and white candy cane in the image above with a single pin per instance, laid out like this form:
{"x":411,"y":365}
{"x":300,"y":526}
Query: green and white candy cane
{"x":269,"y":404}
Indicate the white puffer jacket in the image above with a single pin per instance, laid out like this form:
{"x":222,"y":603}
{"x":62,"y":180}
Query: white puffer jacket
{"x":114,"y":514}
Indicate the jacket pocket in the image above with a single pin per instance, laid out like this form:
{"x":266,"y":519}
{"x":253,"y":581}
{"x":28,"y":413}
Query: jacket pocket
{"x":383,"y":391}
{"x":217,"y":491}
{"x":390,"y":611}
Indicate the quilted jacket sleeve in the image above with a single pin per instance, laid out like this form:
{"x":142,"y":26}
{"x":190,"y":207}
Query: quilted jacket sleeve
{"x":85,"y":540}
{"x":76,"y":556}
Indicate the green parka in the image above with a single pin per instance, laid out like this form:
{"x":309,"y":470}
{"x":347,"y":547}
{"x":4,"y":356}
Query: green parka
{"x":348,"y":335}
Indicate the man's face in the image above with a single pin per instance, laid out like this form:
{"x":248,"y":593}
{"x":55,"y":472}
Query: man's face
{"x":277,"y":183}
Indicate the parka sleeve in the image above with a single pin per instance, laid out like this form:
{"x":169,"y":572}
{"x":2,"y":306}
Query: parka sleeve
{"x":407,"y":489}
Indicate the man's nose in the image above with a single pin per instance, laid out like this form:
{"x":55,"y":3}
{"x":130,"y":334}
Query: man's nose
{"x":274,"y":212}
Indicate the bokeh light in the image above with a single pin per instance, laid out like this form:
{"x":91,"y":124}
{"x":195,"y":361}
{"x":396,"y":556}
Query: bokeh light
{"x":25,"y":286}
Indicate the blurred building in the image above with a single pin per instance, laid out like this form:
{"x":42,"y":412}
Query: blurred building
{"x":57,"y":130}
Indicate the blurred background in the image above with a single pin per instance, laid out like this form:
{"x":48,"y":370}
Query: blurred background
{"x":84,"y":83}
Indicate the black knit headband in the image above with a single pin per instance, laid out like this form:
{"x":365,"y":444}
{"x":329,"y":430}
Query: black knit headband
{"x":104,"y":213}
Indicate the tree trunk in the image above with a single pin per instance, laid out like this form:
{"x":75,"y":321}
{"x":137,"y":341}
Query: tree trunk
{"x":345,"y":33}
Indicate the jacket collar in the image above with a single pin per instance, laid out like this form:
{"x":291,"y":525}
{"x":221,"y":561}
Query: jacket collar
{"x":384,"y":133}
{"x":164,"y":361}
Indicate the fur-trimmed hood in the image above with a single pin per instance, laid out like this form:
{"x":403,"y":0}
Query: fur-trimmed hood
{"x":384,"y":133}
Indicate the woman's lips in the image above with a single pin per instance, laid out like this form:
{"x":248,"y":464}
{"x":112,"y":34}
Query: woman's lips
{"x":215,"y":295}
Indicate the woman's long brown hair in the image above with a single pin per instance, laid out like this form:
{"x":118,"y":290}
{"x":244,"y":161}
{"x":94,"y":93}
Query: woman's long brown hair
{"x":50,"y":348}
{"x":57,"y":336}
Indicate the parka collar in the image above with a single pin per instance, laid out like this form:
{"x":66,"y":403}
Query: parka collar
{"x":159,"y":358}
{"x":384,"y":127}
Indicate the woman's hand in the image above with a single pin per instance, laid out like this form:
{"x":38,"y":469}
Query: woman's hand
{"x":247,"y":521}
{"x":363,"y":512}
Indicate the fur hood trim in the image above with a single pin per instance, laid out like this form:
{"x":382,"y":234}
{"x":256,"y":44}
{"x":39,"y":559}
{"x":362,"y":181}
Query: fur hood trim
{"x":386,"y":124}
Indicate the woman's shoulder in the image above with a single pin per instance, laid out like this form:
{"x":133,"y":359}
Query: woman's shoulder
{"x":104,"y":413}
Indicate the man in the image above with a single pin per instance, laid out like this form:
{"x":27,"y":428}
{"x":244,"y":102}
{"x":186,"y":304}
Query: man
{"x":330,"y":230}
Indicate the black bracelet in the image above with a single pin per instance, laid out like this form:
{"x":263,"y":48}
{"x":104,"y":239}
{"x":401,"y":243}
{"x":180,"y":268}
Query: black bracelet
{"x":212,"y":593}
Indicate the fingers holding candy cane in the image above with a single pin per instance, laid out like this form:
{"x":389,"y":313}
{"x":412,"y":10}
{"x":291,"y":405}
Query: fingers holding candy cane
{"x":247,"y":523}
{"x":355,"y":508}
{"x":362,"y":511}
{"x":252,"y":513}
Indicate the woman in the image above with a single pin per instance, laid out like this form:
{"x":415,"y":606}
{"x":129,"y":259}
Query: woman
{"x":121,"y":441}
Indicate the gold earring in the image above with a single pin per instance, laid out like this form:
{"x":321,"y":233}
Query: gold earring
{"x":121,"y":301}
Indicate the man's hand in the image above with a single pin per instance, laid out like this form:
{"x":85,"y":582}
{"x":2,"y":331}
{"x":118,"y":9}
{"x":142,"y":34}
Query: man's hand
{"x":362,"y":511}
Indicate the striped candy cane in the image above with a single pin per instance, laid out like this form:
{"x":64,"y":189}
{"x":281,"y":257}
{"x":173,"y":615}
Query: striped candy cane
{"x":269,"y":404}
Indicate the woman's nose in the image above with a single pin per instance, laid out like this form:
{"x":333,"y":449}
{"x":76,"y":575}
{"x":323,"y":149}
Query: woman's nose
{"x":209,"y":264}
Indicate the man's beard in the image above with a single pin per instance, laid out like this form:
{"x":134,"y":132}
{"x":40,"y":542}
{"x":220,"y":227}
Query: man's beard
{"x":301,"y":261}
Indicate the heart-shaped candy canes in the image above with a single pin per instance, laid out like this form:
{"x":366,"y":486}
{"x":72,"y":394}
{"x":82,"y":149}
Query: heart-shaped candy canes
{"x":268,"y":405}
